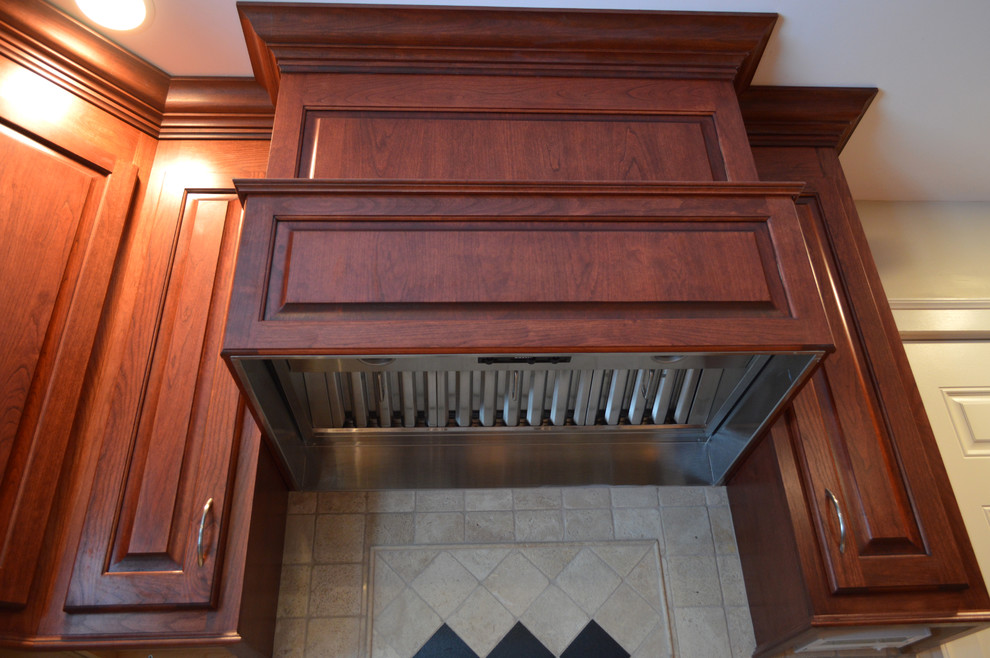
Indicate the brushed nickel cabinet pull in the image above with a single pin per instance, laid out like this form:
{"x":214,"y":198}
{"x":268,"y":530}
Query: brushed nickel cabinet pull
{"x":842,"y":520}
{"x":200,"y":549}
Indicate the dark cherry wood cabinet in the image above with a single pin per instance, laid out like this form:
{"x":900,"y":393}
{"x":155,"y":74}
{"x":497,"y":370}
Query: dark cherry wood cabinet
{"x":119,"y":419}
{"x":160,"y":505}
{"x":848,"y":481}
{"x":501,"y":268}
{"x":176,"y":463}
{"x":57,"y":252}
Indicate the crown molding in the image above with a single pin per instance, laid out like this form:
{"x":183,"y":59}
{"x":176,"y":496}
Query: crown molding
{"x":303,"y":38}
{"x":803,"y":116}
{"x":52,"y":44}
{"x":216,"y":108}
{"x":59,"y":48}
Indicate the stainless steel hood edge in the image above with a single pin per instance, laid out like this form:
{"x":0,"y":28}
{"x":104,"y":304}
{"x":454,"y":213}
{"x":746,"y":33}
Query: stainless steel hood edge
{"x":497,"y":456}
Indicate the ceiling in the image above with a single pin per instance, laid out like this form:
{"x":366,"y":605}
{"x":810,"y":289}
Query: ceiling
{"x":926,"y":136}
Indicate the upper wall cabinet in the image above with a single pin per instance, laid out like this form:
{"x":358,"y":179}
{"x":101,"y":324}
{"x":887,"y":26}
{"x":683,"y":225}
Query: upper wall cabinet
{"x":130,"y":465}
{"x":69,"y":175}
{"x":65,"y":204}
{"x":851,"y":468}
{"x":165,"y":528}
{"x":156,"y":520}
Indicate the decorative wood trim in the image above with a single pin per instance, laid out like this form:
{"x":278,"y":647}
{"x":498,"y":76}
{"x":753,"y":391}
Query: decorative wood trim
{"x":942,"y":319}
{"x":307,"y":186}
{"x":217,"y":108}
{"x":803,"y":116}
{"x":303,"y":38}
{"x":43,"y":39}
{"x":939,"y":304}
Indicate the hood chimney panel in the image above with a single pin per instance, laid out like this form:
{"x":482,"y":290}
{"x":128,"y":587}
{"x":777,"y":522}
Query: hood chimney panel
{"x":505,"y":248}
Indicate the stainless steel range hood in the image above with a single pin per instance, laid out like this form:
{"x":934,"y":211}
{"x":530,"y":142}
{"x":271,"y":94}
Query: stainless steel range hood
{"x":652,"y":352}
{"x":491,"y":420}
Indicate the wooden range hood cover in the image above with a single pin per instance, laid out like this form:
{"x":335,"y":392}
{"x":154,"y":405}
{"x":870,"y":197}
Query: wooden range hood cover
{"x":521,"y":183}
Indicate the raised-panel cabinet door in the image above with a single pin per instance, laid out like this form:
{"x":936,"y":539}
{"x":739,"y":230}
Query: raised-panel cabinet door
{"x":866,"y":475}
{"x":154,"y":533}
{"x":61,"y":219}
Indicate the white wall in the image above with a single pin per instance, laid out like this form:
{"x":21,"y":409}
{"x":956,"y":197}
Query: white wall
{"x":934,"y":261}
{"x":928,"y":251}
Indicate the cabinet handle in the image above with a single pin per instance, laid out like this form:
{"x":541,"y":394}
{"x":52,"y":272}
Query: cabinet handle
{"x":200,"y":549}
{"x":842,"y":520}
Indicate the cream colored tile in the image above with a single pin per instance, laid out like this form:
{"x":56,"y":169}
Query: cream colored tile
{"x":657,"y":644}
{"x":516,"y":583}
{"x":480,"y":561}
{"x":391,"y":501}
{"x":405,"y":624}
{"x":551,"y":558}
{"x":628,"y":618}
{"x":382,"y":649}
{"x":387,"y":585}
{"x":298,"y":547}
{"x":588,"y":580}
{"x":682,"y":496}
{"x":539,"y":525}
{"x":389,"y":529}
{"x":637,"y":523}
{"x":408,"y":563}
{"x":634,"y":496}
{"x":716,"y":496}
{"x":686,"y":531}
{"x":731,"y":576}
{"x":444,"y":500}
{"x":338,"y":502}
{"x":586,"y":497}
{"x":481,"y":621}
{"x":290,"y":638}
{"x":693,"y":580}
{"x":444,"y":584}
{"x":492,"y":526}
{"x":723,"y":533}
{"x":701,"y":632}
{"x":528,"y":499}
{"x":554,"y":619}
{"x":478,"y":500}
{"x":336,"y":590}
{"x":645,"y":579}
{"x":587,"y":524}
{"x":741,"y":639}
{"x":302,"y":502}
{"x":293,"y":591}
{"x":339,"y":538}
{"x":333,"y":636}
{"x":439,"y":528}
{"x":622,"y":557}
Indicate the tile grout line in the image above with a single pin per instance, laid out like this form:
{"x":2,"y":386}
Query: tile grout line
{"x":563,"y":506}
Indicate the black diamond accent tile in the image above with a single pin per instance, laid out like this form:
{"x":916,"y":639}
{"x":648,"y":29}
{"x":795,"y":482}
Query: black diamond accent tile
{"x":594,"y":642}
{"x":445,"y":643}
{"x":520,"y":643}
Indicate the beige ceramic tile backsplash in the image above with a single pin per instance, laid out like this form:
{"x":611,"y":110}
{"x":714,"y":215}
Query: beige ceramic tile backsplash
{"x":326,"y":583}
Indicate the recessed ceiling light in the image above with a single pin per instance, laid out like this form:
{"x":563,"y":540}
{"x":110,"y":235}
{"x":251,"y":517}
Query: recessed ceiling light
{"x":117,"y":14}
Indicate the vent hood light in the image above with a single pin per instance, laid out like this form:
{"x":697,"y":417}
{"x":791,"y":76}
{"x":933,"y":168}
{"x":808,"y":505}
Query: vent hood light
{"x":119,"y":15}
